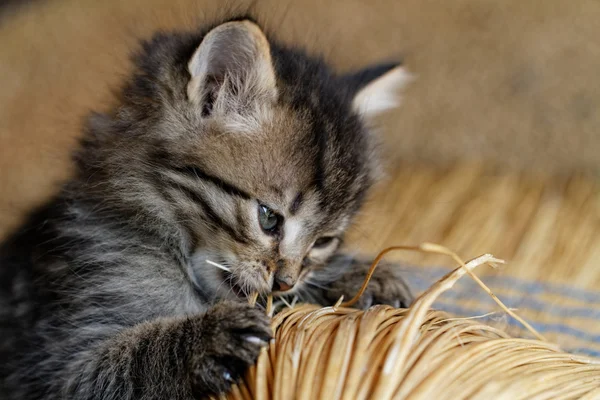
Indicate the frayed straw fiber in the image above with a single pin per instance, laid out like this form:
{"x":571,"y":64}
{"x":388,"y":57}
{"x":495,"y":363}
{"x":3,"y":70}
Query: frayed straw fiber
{"x":417,"y":353}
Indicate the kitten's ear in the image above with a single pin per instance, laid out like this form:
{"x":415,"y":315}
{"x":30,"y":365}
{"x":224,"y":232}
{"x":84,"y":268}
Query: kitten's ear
{"x":378,"y":89}
{"x":232,"y":63}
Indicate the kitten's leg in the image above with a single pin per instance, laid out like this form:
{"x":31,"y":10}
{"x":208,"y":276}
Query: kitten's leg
{"x":180,"y":358}
{"x":344,"y":275}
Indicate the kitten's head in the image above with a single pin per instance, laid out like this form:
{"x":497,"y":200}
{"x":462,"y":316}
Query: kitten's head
{"x":258,"y":154}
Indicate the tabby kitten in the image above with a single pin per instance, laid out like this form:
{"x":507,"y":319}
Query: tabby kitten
{"x":226,"y":148}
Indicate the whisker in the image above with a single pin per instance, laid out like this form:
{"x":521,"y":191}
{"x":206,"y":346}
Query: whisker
{"x":228,"y":280}
{"x":311,"y":283}
{"x":305,"y":296}
{"x":214,"y":264}
{"x":263,"y":299}
{"x":286,"y":302}
{"x":216,"y":295}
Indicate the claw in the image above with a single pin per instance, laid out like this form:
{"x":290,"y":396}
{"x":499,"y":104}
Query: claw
{"x":227,"y":376}
{"x":256,"y":340}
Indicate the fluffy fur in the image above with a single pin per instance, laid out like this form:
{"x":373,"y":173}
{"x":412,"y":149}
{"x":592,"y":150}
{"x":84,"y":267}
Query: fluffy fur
{"x":106,"y":290}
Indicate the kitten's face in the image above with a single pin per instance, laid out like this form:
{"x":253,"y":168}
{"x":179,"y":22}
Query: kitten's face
{"x":265,"y":215}
{"x":271,"y":220}
{"x":264,"y":155}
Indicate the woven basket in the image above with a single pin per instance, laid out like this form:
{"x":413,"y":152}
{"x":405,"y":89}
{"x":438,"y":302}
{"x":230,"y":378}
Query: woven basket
{"x":417,"y":353}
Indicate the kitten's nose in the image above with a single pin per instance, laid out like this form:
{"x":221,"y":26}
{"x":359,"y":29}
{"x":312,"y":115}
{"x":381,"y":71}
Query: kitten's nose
{"x":282,"y":283}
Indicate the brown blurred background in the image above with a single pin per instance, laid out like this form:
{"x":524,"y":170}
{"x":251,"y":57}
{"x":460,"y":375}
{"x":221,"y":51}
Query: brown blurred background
{"x":496,"y":148}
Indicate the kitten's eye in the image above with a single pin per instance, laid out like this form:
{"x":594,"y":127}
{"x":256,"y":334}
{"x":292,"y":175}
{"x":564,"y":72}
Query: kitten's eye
{"x":269,"y":221}
{"x":323,"y":242}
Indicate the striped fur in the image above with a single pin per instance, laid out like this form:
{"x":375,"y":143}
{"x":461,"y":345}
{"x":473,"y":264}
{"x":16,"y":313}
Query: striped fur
{"x":107,"y":292}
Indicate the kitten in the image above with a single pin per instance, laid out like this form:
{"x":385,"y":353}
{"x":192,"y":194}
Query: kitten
{"x":226,"y":148}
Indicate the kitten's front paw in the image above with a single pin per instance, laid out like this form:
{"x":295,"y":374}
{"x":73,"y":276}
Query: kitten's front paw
{"x":232,"y":336}
{"x":385,"y":287}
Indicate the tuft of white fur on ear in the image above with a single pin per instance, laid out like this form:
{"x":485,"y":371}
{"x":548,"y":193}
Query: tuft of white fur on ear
{"x":381,"y":94}
{"x":231,"y":65}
